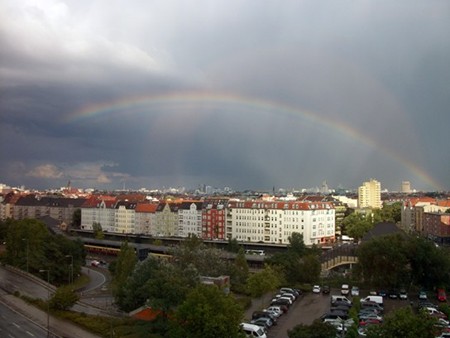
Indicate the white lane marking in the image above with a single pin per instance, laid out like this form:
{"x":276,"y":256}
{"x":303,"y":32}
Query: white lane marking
{"x":28,"y":332}
{"x":16,"y":325}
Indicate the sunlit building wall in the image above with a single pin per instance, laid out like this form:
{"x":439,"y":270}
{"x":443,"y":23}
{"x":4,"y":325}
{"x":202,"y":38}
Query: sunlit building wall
{"x":190,"y":219}
{"x":369,"y":195}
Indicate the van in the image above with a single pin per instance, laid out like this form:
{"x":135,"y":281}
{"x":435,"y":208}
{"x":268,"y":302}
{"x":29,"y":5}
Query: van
{"x":335,"y":299}
{"x":375,"y":299}
{"x":252,"y":330}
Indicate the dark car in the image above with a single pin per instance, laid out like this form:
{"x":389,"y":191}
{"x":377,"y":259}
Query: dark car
{"x":263,"y":314}
{"x":393,"y":294}
{"x":325,"y":289}
{"x":382,"y":293}
{"x":284,"y":302}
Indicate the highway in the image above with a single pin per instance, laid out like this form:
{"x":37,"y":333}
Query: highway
{"x":14,"y":324}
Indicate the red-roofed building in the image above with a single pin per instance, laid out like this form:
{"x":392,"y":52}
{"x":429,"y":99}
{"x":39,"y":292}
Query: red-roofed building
{"x":275,"y":222}
{"x":146,"y":218}
{"x":214,"y":218}
{"x":99,"y":209}
{"x":413,"y":210}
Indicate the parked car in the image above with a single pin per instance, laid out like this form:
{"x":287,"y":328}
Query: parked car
{"x":275,"y":310}
{"x":435,"y":312}
{"x":264,"y":322}
{"x":366,"y":316}
{"x":403,"y":295}
{"x":382,"y":293}
{"x":345,"y":289}
{"x":325,"y":289}
{"x":423,"y":295}
{"x":355,"y":291}
{"x":316,"y":289}
{"x":393,"y":294}
{"x":441,"y":295}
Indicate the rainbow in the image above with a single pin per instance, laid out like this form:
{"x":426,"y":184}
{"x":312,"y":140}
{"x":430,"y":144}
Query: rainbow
{"x":206,"y":99}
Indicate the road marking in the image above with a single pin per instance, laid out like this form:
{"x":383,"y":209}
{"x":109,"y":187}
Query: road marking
{"x":16,"y":325}
{"x":32,"y":335}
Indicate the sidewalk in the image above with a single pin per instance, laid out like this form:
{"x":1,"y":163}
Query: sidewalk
{"x":58,"y":327}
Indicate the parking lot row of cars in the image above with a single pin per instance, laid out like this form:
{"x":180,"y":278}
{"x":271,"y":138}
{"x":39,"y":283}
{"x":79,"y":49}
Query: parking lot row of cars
{"x":265,"y":319}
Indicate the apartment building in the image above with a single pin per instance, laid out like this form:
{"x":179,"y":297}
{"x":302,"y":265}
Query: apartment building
{"x":213,"y":219}
{"x":436,"y":226}
{"x":37,"y":206}
{"x":275,"y":222}
{"x":145,"y":214}
{"x":190,"y":219}
{"x":369,"y":195}
{"x":99,"y":209}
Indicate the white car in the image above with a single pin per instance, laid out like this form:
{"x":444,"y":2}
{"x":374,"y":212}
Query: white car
{"x":355,"y":291}
{"x":345,"y":289}
{"x":316,"y":289}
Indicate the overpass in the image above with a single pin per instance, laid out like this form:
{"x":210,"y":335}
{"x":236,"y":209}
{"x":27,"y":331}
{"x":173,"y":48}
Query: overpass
{"x":344,"y":254}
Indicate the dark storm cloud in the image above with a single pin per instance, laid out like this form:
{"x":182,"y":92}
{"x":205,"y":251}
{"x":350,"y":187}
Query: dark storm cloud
{"x":378,"y":69}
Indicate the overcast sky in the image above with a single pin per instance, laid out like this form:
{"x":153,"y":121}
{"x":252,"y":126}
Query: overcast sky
{"x":246,"y":94}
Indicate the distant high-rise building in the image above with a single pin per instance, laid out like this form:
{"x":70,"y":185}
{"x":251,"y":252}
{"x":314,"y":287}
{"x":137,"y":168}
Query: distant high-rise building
{"x":406,"y":187}
{"x":369,"y":195}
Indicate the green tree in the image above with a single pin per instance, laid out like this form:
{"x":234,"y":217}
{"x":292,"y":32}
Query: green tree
{"x":430,"y":265}
{"x":296,"y":244}
{"x":233,"y":245}
{"x":404,"y":323}
{"x":384,"y":262}
{"x":124,"y":267}
{"x":356,"y":225}
{"x":239,"y":270}
{"x":208,"y":313}
{"x":97,"y":230}
{"x":76,"y":218}
{"x":63,"y":299}
{"x":317,"y":329}
{"x":263,"y":281}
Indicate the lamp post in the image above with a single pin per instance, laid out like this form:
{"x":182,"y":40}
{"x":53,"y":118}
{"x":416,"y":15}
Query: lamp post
{"x":71,"y":269}
{"x":26,"y":239}
{"x":48,"y":300}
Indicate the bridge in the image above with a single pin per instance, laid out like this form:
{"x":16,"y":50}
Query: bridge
{"x":339,"y":255}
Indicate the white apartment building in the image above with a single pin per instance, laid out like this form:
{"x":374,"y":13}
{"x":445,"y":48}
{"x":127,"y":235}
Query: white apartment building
{"x":125,"y":217}
{"x":166,"y":221}
{"x":190,"y":219}
{"x":98,"y":210}
{"x":369,"y":195}
{"x":275,"y":222}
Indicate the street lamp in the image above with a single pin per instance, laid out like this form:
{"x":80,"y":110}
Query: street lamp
{"x":48,"y":300}
{"x":26,"y":239}
{"x":71,"y":269}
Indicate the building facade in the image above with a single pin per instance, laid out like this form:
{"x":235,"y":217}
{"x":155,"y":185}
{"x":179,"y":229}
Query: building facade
{"x":275,"y":222}
{"x":369,"y":195}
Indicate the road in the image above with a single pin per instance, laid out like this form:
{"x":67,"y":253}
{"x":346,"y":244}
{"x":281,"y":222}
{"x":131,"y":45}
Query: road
{"x":14,"y":324}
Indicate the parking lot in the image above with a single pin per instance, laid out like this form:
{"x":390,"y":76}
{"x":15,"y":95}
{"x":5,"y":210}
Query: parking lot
{"x":309,"y":307}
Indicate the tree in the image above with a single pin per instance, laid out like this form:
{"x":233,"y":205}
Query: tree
{"x":356,"y":225}
{"x":233,"y":245}
{"x":124,"y":267}
{"x":317,"y":329}
{"x":76,"y":218}
{"x":97,"y":230}
{"x":384,"y":262}
{"x":404,"y":323}
{"x":63,"y":299}
{"x":296,"y":244}
{"x":263,"y":281}
{"x":239,"y":271}
{"x":208,"y":313}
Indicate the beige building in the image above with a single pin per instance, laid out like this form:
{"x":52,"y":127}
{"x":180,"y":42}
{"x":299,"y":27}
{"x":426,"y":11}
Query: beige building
{"x":369,"y":195}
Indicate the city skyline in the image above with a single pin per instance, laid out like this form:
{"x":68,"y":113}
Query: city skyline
{"x":247,"y":95}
